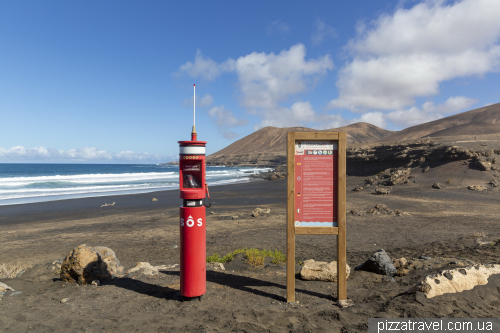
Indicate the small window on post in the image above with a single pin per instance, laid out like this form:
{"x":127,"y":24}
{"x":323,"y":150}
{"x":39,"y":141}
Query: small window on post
{"x":192,"y":175}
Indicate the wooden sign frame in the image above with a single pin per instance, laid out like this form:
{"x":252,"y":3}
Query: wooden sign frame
{"x":340,"y":230}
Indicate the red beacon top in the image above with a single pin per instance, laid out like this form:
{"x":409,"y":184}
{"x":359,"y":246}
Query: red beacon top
{"x":192,"y":168}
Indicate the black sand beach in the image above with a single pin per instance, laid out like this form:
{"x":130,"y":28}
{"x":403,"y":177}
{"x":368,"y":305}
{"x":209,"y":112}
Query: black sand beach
{"x":442,"y":224}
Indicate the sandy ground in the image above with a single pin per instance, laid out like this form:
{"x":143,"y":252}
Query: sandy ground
{"x":452,"y":222}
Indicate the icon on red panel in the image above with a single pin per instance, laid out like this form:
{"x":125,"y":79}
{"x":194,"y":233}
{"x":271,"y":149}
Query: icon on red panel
{"x":191,"y":182}
{"x":298,"y":194}
{"x":298,"y":178}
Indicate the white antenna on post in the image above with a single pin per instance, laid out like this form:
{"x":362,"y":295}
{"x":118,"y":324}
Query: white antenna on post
{"x":193,"y":133}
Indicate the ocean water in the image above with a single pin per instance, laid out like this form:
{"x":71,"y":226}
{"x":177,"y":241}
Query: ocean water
{"x":27,"y":183}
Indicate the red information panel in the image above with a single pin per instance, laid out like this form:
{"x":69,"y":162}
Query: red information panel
{"x":316,"y":183}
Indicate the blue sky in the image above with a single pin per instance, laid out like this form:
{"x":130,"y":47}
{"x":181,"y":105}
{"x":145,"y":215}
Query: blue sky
{"x":111,"y":82}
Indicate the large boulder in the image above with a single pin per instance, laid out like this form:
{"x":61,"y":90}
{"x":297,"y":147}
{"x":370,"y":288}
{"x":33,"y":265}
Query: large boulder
{"x":455,"y":280}
{"x":321,"y":271}
{"x":379,"y":263}
{"x":84,"y":265}
{"x":108,"y":256}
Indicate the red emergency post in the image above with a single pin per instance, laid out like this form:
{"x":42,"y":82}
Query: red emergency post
{"x":192,"y":217}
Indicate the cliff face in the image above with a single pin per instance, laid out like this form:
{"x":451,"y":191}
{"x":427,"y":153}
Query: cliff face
{"x":366,"y":161}
{"x":482,"y":154}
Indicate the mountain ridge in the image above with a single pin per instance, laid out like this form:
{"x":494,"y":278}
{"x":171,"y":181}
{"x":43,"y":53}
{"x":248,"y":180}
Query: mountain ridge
{"x":267,"y":146}
{"x":484,"y":120}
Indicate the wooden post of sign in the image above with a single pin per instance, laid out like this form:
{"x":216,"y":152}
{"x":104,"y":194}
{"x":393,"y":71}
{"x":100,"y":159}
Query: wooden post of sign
{"x":341,"y":237}
{"x":340,"y":230}
{"x":290,"y":220}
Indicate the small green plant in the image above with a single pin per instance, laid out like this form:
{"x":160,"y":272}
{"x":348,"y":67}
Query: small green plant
{"x":448,"y":181}
{"x":254,"y":257}
{"x":214,"y":258}
{"x":301,"y":263}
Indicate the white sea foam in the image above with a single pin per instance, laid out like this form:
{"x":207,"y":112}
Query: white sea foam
{"x":88,"y":179}
{"x":16,"y":190}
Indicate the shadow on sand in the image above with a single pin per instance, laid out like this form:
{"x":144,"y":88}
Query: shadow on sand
{"x":243,"y":283}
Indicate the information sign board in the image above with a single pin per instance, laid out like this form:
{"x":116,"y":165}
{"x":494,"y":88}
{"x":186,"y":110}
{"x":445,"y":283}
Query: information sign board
{"x":315,"y":181}
{"x":316,"y":163}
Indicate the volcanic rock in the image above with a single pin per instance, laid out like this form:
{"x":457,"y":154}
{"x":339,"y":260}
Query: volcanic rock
{"x":108,"y":256}
{"x":144,"y":268}
{"x":401,"y":262}
{"x":402,"y":271}
{"x":357,"y":212}
{"x":455,"y":280}
{"x":382,"y":191}
{"x":379,"y":263}
{"x":4,"y":288}
{"x":477,"y":188}
{"x":84,"y":265}
{"x":398,"y":177}
{"x":215,"y":266}
{"x":257,"y":211}
{"x":483,"y":164}
{"x":380,"y":209}
{"x":321,"y":271}
{"x":369,"y":181}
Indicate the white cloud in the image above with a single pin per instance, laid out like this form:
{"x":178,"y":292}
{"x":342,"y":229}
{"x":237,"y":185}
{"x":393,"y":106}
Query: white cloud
{"x":322,"y":30}
{"x":225,"y":120}
{"x":205,"y":68}
{"x":87,"y":154}
{"x":429,"y":111}
{"x":276,"y":27}
{"x":206,"y":100}
{"x":408,"y":54}
{"x":374,"y":118}
{"x":266,"y":80}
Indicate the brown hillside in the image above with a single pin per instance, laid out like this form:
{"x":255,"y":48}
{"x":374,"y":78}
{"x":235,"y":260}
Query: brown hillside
{"x":273,"y":140}
{"x":485,"y":120}
{"x":475,"y":128}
